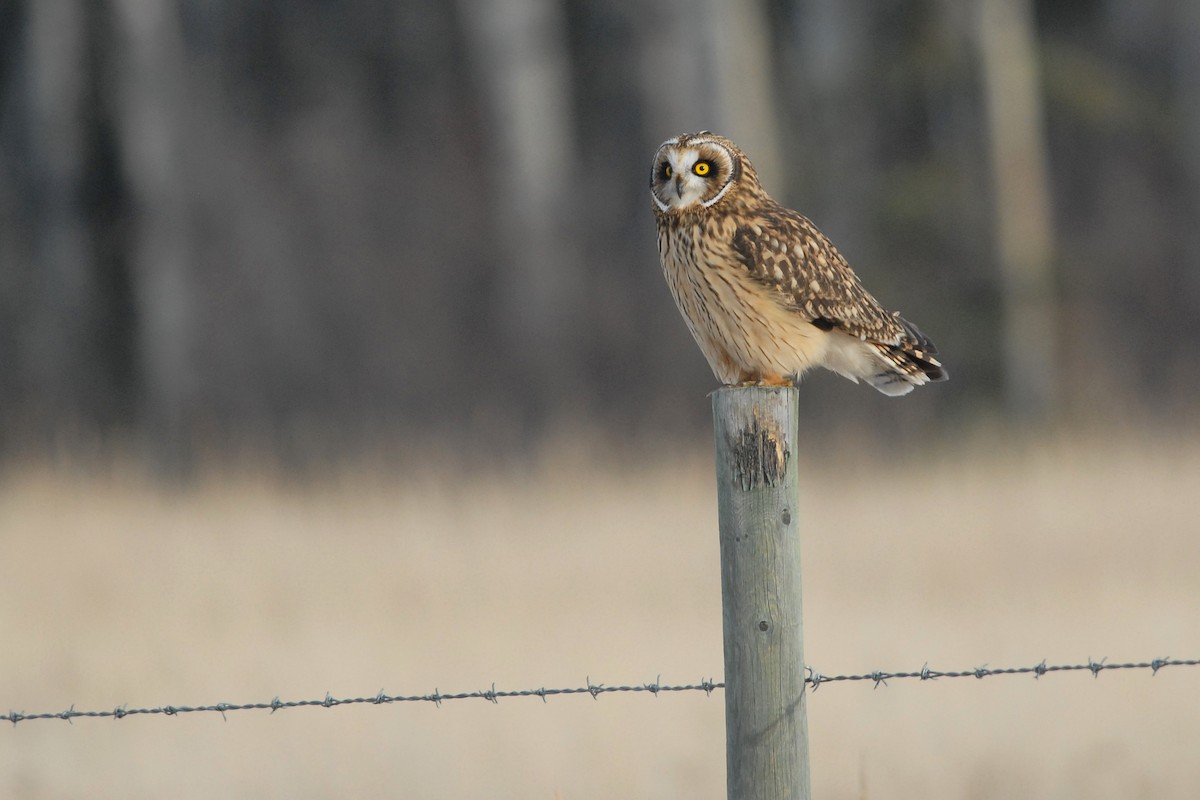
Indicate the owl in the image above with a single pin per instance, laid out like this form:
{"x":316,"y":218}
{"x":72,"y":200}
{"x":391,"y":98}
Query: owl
{"x":765,"y":294}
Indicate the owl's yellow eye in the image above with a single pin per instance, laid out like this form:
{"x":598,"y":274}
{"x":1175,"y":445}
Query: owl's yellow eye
{"x":667,"y":171}
{"x":702,"y":168}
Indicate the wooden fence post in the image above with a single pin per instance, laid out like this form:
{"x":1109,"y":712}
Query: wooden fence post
{"x":766,"y":729}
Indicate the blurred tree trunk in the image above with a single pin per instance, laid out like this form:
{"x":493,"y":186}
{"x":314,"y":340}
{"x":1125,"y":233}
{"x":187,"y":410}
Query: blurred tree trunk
{"x":152,"y":101}
{"x":1186,"y":64}
{"x":66,"y":373}
{"x":56,"y":351}
{"x":519,"y":52}
{"x":825,"y":50}
{"x":740,"y":49}
{"x":1024,"y":232}
{"x":674,"y":73}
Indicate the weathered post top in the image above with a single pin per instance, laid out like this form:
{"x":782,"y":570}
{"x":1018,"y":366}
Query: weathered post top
{"x":757,"y":493}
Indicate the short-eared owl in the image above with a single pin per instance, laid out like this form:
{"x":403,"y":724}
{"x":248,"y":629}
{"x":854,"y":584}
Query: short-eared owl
{"x":764,"y":293}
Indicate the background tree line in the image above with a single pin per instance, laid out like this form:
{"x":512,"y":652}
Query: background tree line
{"x":308,"y":226}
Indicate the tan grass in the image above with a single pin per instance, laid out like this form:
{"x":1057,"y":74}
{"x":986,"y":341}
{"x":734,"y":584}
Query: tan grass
{"x":246,"y":588}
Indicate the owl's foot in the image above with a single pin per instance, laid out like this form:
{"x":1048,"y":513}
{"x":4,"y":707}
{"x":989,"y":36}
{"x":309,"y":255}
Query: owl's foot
{"x":764,"y":380}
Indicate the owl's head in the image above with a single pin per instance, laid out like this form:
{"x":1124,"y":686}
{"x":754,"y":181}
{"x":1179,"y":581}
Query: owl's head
{"x":695,"y":171}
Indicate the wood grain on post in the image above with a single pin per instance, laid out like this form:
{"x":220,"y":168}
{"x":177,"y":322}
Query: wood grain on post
{"x":766,"y":728}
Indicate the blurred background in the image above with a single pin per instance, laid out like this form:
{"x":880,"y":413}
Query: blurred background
{"x":304,"y":228}
{"x":335,"y":354}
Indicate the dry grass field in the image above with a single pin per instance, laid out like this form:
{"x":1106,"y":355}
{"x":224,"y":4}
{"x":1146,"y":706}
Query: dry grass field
{"x":246,"y":587}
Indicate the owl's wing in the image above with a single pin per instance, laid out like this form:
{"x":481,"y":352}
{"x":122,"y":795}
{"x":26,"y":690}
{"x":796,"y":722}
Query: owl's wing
{"x":788,"y":255}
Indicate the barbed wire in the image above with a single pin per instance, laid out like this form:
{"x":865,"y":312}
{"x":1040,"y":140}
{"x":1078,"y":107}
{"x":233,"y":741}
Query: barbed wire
{"x":816,"y":679}
{"x":494,"y":695}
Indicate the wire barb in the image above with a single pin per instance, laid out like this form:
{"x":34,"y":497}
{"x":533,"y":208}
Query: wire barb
{"x":815,"y":679}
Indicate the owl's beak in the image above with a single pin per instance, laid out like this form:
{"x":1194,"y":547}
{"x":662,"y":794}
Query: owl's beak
{"x":679,"y":186}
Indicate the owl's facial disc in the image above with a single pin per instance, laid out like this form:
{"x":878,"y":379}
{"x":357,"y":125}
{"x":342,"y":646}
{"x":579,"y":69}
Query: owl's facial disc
{"x":688,"y":177}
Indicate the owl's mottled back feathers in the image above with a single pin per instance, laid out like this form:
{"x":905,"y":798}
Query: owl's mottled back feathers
{"x":792,"y":258}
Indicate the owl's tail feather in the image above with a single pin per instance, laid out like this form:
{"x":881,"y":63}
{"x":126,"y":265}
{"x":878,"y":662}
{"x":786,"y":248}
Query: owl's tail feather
{"x":893,"y":383}
{"x":912,"y":362}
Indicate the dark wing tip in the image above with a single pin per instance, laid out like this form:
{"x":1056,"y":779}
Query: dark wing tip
{"x":934,"y":372}
{"x":918,"y":338}
{"x":922,"y":352}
